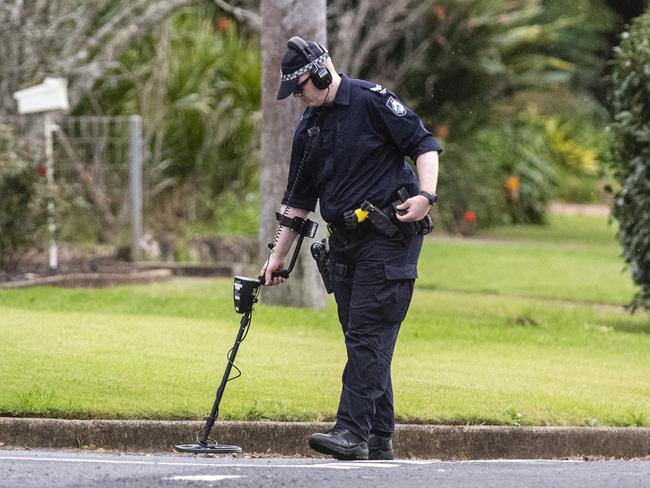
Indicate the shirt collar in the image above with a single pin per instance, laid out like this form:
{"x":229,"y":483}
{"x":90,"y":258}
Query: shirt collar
{"x":343,"y":93}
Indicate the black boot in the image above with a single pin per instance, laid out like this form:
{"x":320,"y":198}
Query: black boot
{"x":380,"y":447}
{"x":340,"y":443}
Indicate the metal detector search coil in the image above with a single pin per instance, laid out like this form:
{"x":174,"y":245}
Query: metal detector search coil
{"x":245,"y":293}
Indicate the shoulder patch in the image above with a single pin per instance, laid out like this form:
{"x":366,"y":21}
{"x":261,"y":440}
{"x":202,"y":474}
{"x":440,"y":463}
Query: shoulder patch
{"x":396,"y":106}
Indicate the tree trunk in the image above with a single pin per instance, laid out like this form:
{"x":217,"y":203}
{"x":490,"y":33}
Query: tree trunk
{"x":282,"y":20}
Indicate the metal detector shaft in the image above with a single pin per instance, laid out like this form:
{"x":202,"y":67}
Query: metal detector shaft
{"x":245,"y":320}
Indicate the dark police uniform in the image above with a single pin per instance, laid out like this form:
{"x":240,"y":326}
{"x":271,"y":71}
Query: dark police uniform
{"x":357,"y":146}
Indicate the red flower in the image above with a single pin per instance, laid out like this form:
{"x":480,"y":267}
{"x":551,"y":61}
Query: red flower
{"x":42,"y":170}
{"x":442,"y":131}
{"x":223,"y":24}
{"x":469,"y":217}
{"x":441,"y":12}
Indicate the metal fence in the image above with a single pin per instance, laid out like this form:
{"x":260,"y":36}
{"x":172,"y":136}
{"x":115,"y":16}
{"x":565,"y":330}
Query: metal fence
{"x":94,"y":166}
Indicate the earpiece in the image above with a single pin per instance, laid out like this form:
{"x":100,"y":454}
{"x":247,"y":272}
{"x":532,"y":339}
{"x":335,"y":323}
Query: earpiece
{"x":319,"y":74}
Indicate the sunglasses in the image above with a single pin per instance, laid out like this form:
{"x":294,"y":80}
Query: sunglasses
{"x":301,"y":86}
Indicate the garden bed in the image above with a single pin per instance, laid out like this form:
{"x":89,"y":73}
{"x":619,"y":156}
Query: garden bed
{"x":98,"y":266}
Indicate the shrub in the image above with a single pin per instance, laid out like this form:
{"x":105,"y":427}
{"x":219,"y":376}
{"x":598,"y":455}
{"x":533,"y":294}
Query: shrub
{"x":468,"y":188}
{"x":528,"y":177}
{"x":22,"y":213}
{"x":630,"y":103}
{"x":503,"y":173}
{"x":197,"y":86}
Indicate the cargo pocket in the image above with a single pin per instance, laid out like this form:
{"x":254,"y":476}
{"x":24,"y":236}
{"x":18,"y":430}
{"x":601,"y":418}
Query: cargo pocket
{"x":369,"y":288}
{"x":399,"y":288}
{"x":381,"y":295}
{"x":404,"y":272}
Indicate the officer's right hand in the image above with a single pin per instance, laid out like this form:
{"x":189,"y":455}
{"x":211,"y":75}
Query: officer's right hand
{"x":275,"y":263}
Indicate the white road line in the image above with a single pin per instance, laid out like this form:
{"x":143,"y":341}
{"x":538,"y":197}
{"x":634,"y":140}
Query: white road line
{"x":330,"y":465}
{"x":520,"y":461}
{"x":413,"y":461}
{"x":106,"y":461}
{"x":205,"y":477}
{"x":354,"y":465}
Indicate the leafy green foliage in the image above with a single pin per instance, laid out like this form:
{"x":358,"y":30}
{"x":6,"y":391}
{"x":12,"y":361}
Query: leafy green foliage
{"x":460,"y":191}
{"x":483,"y":51}
{"x":579,"y":146}
{"x":630,"y":99}
{"x":196,"y":81}
{"x":581,"y":37}
{"x":504,"y":173}
{"x":21,"y":196}
{"x":529,"y":177}
{"x":508,"y":170}
{"x":480,"y":56}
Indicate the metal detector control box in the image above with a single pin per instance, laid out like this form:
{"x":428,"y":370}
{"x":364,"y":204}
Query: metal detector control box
{"x":245,"y":293}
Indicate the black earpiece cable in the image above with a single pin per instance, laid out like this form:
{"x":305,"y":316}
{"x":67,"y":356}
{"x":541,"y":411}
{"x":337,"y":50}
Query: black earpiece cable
{"x":294,"y":185}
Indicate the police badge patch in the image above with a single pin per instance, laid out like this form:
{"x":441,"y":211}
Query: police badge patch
{"x":396,"y":107}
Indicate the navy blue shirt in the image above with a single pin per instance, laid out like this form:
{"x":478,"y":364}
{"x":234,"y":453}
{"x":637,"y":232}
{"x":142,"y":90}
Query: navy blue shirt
{"x":358,"y":145}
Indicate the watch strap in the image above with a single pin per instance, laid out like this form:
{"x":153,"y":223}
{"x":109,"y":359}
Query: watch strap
{"x":429,"y":196}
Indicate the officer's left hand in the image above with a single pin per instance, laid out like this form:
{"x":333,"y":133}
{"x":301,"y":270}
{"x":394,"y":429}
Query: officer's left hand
{"x":416,"y":208}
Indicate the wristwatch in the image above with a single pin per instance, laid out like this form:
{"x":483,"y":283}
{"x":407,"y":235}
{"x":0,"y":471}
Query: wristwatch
{"x":429,"y":196}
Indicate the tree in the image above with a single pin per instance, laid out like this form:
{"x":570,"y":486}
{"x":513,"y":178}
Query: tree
{"x":358,"y":30}
{"x":630,"y":100}
{"x":76,"y":40}
{"x":282,"y":19}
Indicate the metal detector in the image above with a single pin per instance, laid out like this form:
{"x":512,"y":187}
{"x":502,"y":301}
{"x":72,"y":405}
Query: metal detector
{"x":245,"y":294}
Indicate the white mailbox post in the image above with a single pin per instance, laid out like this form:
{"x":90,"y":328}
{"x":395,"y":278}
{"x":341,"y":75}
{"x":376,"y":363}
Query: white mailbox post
{"x":46,"y":98}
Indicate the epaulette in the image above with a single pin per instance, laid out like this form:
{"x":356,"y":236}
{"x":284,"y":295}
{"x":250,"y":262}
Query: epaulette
{"x":375,"y":88}
{"x":389,"y":98}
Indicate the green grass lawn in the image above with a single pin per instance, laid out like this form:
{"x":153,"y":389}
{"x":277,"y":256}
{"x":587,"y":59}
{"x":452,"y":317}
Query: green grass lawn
{"x":574,"y":258}
{"x":476,"y":347}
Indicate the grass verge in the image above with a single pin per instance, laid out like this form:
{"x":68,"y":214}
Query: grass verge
{"x":472,"y":350}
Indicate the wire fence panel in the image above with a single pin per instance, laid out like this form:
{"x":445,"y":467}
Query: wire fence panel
{"x":92,"y":160}
{"x":97,"y":190}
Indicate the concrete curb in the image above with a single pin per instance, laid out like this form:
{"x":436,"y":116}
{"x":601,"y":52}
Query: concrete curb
{"x":195,"y":270}
{"x":290,"y":438}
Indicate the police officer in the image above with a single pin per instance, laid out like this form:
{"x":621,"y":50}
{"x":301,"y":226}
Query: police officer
{"x":349,"y":147}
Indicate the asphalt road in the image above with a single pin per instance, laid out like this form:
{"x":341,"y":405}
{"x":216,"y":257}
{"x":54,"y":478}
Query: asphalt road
{"x":54,"y":469}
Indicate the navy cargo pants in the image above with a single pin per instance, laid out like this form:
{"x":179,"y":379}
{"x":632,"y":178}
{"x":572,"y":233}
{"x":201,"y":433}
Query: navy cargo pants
{"x":373,"y":285}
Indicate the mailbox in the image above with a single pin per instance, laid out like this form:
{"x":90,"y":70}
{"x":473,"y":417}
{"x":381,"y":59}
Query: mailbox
{"x":50,"y":95}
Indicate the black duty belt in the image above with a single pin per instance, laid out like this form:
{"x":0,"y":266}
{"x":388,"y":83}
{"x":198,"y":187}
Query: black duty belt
{"x":343,"y":236}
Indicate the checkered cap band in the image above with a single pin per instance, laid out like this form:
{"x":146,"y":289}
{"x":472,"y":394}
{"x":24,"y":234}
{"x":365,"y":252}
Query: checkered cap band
{"x":304,"y":69}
